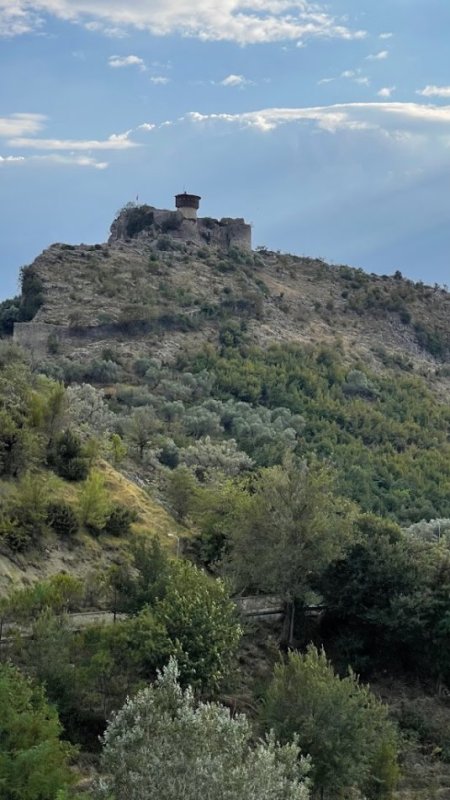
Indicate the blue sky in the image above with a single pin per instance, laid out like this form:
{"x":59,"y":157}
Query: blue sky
{"x":327,"y":126}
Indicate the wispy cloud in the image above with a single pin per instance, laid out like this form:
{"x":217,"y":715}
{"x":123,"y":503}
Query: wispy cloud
{"x":398,"y":118}
{"x":117,"y":141}
{"x":386,"y":35}
{"x":16,"y":18}
{"x":21,"y":124}
{"x":56,"y":159}
{"x":434,"y":91}
{"x":381,"y":56}
{"x":118,"y":62}
{"x":159,"y":80}
{"x":354,"y":75}
{"x":241,"y":21}
{"x":235,"y":80}
{"x":11,"y":159}
{"x":386,"y":91}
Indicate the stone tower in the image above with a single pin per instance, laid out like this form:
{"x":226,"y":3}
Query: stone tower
{"x":187,"y":204}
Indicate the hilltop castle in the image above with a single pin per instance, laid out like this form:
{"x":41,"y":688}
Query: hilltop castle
{"x":148,"y":222}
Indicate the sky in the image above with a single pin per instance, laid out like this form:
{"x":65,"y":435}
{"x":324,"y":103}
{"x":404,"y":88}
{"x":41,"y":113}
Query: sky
{"x":325,"y":125}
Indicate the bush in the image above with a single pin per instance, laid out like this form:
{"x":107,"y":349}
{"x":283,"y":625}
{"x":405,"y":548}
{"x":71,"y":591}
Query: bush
{"x":9,"y":314}
{"x":118,"y":522}
{"x":338,"y":722}
{"x":94,"y":503}
{"x":68,"y":459}
{"x":62,"y":518}
{"x":33,"y":760}
{"x":32,"y":293}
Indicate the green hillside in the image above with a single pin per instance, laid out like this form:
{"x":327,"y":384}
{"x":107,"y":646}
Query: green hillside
{"x":195,"y":425}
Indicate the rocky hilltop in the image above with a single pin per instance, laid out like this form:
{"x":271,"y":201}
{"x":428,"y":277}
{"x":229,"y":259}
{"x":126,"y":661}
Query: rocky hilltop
{"x":163,"y":282}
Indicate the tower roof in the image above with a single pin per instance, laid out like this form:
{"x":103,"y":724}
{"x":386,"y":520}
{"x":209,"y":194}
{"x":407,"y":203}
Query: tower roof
{"x":185,"y":200}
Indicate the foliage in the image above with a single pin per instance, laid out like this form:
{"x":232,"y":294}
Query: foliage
{"x":27,"y":509}
{"x":62,"y":518}
{"x":68,"y":457}
{"x":387,"y":440}
{"x":338,"y":722}
{"x":33,"y":761}
{"x":94,"y":503}
{"x":119,"y":519}
{"x":141,"y":429}
{"x":202,"y":625}
{"x":290,"y":528}
{"x":9,"y":314}
{"x":32,"y":293}
{"x":162,"y":745}
{"x":180,"y":491}
{"x":88,"y":410}
{"x":388,"y":600}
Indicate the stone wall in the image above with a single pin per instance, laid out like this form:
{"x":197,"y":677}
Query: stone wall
{"x":35,"y":337}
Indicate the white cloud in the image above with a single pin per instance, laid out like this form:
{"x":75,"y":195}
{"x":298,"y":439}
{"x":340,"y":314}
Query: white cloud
{"x":21,"y":124}
{"x":107,"y":30}
{"x":117,"y":141}
{"x":394,"y":119}
{"x":242,"y":21}
{"x":16,"y":18}
{"x":386,"y":35}
{"x":160,"y":80}
{"x":56,"y":158}
{"x":434,"y":91}
{"x":381,"y":56}
{"x":11,"y":159}
{"x":146,"y":126}
{"x":235,"y":80}
{"x":350,"y":74}
{"x":118,"y":62}
{"x":386,"y":91}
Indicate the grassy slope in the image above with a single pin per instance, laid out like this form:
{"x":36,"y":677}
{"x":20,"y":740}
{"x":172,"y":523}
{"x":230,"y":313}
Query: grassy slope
{"x":86,"y":554}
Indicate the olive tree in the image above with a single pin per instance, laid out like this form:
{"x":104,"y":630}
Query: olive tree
{"x":164,"y":745}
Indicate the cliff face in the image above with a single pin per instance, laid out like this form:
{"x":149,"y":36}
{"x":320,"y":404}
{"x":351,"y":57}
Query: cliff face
{"x":152,"y":288}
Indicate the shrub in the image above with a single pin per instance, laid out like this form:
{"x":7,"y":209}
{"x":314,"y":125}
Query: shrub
{"x":68,"y":459}
{"x":33,"y":760}
{"x":9,"y":314}
{"x":32,"y":293}
{"x":94,"y":503}
{"x":118,"y":522}
{"x":62,"y":518}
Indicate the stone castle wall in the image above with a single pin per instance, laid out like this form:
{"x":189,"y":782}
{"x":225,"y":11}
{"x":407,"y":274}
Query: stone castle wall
{"x":149,"y":223}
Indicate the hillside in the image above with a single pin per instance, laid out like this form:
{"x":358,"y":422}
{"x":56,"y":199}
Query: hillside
{"x":184,"y":420}
{"x":151,"y":292}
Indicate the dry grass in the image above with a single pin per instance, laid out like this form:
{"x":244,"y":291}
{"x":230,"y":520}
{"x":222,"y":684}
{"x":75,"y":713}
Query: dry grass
{"x":86,"y":554}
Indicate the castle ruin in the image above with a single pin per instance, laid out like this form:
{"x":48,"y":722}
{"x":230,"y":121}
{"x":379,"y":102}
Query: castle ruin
{"x":148,"y":223}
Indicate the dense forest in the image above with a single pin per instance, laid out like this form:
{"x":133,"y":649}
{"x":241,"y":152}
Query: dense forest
{"x":290,"y":471}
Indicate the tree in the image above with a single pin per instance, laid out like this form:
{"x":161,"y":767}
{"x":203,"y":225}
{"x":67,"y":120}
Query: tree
{"x":27,"y":507}
{"x":291,"y":528}
{"x":33,"y":760}
{"x":181,"y":489}
{"x":368,"y":589}
{"x":68,"y":457}
{"x":202,"y":625}
{"x":161,"y":745}
{"x":338,"y":722}
{"x":142,"y":427}
{"x":94,"y":502}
